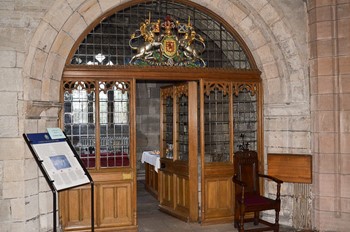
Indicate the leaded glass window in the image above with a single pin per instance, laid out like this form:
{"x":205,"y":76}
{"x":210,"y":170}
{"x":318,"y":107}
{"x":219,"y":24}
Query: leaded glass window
{"x":108,"y":42}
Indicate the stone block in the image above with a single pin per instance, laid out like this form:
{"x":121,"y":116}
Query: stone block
{"x":326,"y":121}
{"x":325,"y":84}
{"x":344,"y":143}
{"x":324,"y":13}
{"x":14,"y":39}
{"x":265,"y":54}
{"x":325,"y":66}
{"x":30,"y":83}
{"x":54,"y":67}
{"x":258,"y":4}
{"x":74,"y":4}
{"x":44,"y":37}
{"x":235,"y":12}
{"x":30,"y":169}
{"x":62,"y":44}
{"x":247,"y":25}
{"x":33,"y":225}
{"x":90,"y":10}
{"x":58,"y":14}
{"x":344,"y":46}
{"x":325,"y":48}
{"x":46,"y":222}
{"x":257,"y":38}
{"x":271,"y":70}
{"x":344,"y":65}
{"x":343,"y":10}
{"x":11,"y":148}
{"x":5,"y":211}
{"x":324,"y":30}
{"x":326,"y":143}
{"x":345,"y":121}
{"x":345,"y":83}
{"x":270,"y":14}
{"x":344,"y":185}
{"x":17,"y":209}
{"x":7,"y":59}
{"x":31,"y":207}
{"x":327,"y":189}
{"x":20,"y":58}
{"x":109,"y":4}
{"x":13,"y":170}
{"x":8,"y":102}
{"x":31,"y":187}
{"x":45,"y":203}
{"x":12,"y":190}
{"x":344,"y":28}
{"x":9,"y":126}
{"x":75,"y":25}
{"x":325,"y":102}
{"x":324,"y":159}
{"x":300,"y":139}
{"x":280,"y":31}
{"x":11,"y":79}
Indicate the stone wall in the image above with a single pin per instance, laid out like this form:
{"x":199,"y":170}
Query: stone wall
{"x":37,"y":36}
{"x":329,"y":36}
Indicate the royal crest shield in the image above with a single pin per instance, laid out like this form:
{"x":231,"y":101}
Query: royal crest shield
{"x":170,"y":46}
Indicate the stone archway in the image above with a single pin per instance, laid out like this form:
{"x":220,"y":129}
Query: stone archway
{"x":280,"y":54}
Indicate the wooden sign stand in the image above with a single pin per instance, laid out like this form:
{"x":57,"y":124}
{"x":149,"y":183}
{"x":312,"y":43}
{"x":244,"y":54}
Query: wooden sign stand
{"x":58,"y":160}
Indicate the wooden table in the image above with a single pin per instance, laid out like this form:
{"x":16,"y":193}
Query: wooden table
{"x":152,"y":165}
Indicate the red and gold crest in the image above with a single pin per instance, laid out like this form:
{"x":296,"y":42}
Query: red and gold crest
{"x":169,"y":47}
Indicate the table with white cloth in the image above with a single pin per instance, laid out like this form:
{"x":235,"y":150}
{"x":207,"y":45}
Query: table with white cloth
{"x":151,"y":159}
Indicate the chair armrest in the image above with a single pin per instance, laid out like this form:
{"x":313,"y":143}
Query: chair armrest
{"x":242,"y":185}
{"x":278,"y":181}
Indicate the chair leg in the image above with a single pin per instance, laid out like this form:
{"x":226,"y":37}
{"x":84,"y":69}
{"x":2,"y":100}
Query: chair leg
{"x":277,"y":227}
{"x":241,"y":223}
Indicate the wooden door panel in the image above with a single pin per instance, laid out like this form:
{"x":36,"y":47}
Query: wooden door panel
{"x":167,"y":189}
{"x":75,"y":207}
{"x":218,"y":197}
{"x":115,"y":204}
{"x":182,"y":194}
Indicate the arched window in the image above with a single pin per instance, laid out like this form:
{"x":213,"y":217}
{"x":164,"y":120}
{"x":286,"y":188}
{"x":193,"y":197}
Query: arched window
{"x":108,"y":42}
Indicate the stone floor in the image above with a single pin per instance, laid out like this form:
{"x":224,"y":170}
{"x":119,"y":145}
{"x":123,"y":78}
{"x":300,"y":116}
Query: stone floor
{"x":150,"y":219}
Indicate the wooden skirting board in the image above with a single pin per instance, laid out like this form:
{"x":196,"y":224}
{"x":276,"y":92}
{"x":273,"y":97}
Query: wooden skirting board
{"x":290,"y":167}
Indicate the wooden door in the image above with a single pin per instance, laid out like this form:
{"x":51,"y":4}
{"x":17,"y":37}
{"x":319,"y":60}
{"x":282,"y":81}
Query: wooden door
{"x":229,"y":112}
{"x":216,"y":158}
{"x":178,"y":176}
{"x":99,"y":118}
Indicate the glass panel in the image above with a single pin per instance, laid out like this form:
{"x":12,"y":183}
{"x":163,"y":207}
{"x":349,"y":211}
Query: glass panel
{"x":168,"y":127}
{"x":182,"y":128}
{"x":108,"y":42}
{"x":217,"y":126}
{"x":114,"y":125}
{"x":245,"y":120}
{"x":79,"y":123}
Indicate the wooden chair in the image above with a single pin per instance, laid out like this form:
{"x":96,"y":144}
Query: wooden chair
{"x":247,"y":193}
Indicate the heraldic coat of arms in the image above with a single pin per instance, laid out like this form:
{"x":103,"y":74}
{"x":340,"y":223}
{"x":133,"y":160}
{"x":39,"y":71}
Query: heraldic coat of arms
{"x":167,"y":43}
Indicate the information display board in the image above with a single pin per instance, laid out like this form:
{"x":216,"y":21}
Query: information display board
{"x":59,"y":161}
{"x":60,"y":164}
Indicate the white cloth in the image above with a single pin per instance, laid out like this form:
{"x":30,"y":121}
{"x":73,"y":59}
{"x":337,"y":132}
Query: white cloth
{"x":151,"y":158}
